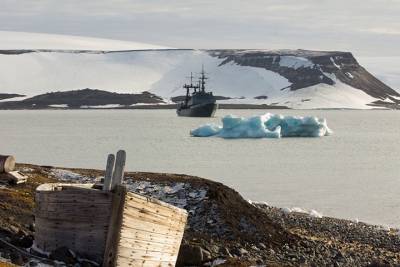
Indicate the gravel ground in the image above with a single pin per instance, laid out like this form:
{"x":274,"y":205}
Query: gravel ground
{"x":223,"y":229}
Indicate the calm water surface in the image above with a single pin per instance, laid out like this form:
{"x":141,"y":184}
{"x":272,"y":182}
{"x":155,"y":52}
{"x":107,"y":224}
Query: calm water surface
{"x":353,"y":174}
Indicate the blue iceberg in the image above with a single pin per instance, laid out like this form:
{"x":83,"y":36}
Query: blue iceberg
{"x":265,"y":126}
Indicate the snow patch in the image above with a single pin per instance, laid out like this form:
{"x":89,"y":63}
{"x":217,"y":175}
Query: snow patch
{"x":339,"y":96}
{"x":312,"y":213}
{"x":103,"y":106}
{"x":334,"y":63}
{"x":265,"y":126}
{"x":295,"y":62}
{"x":58,"y":106}
{"x":18,"y":98}
{"x":349,"y":75}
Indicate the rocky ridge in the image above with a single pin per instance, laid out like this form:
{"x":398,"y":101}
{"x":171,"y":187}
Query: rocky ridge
{"x":313,"y":68}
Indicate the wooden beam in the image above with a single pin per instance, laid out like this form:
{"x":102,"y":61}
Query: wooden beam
{"x":7,"y":163}
{"x":113,"y":235}
{"x":119,"y":169}
{"x":108,"y":173}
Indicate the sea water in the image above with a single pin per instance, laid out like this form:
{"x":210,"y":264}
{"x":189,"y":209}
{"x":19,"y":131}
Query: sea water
{"x":355,"y":173}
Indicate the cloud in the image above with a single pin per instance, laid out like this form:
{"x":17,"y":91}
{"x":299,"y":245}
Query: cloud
{"x":314,"y":24}
{"x":389,"y":31}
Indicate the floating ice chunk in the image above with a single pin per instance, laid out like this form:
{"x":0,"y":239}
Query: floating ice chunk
{"x":265,"y":126}
{"x":252,"y":127}
{"x":206,"y":130}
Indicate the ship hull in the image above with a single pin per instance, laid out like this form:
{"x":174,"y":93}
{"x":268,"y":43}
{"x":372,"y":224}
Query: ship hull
{"x":200,"y":110}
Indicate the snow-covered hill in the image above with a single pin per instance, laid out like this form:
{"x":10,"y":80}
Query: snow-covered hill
{"x":297,"y":79}
{"x":26,"y":40}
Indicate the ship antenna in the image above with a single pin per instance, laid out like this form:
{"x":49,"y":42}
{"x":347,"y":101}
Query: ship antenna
{"x":203,"y":78}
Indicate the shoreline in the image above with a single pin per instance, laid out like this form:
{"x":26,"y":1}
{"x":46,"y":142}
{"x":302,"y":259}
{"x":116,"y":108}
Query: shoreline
{"x":226,"y":228}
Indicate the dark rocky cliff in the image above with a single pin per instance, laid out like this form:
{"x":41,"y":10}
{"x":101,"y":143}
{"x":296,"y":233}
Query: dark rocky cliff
{"x":319,"y":67}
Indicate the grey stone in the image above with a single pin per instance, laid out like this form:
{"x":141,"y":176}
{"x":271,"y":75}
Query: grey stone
{"x":192,"y":256}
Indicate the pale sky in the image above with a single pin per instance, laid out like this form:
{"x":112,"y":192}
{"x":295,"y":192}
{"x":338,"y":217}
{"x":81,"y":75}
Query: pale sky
{"x":364,"y":27}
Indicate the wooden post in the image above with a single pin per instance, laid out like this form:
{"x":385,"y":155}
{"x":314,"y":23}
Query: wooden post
{"x":117,"y":208}
{"x":7,"y":163}
{"x":119,"y":169}
{"x":109,"y":172}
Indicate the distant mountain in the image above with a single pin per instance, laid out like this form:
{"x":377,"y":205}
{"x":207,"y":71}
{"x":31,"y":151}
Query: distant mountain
{"x":293,"y":78}
{"x":8,"y":96}
{"x":84,"y":98}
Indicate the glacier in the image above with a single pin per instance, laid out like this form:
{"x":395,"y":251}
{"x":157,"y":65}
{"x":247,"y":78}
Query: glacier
{"x":265,"y":126}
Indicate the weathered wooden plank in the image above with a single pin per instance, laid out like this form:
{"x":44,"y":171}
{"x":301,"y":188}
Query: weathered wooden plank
{"x":94,"y":209}
{"x":134,"y":215}
{"x":52,"y":187}
{"x":73,"y":215}
{"x":119,"y":169}
{"x":153,"y":210}
{"x":140,"y":236}
{"x":45,"y":223}
{"x":73,"y":206}
{"x":151,"y":237}
{"x":124,"y":261}
{"x":57,"y":233}
{"x":151,"y":227}
{"x":68,"y":227}
{"x":134,"y":200}
{"x":147,"y":245}
{"x":67,"y":191}
{"x":146,"y":255}
{"x":61,"y":199}
{"x":109,"y":172}
{"x":77,"y":244}
{"x":155,"y":201}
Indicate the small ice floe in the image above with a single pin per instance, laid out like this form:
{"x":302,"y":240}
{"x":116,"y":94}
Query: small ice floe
{"x":265,"y":126}
{"x":311,"y":213}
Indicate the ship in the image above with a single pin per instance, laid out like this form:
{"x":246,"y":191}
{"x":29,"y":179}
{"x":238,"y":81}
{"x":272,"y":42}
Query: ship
{"x":197,"y":102}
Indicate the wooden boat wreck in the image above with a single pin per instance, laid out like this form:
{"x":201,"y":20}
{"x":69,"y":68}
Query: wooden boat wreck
{"x":108,"y":225}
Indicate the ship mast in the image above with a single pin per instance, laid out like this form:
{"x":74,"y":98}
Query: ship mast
{"x":191,"y":82}
{"x":203,"y":79}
